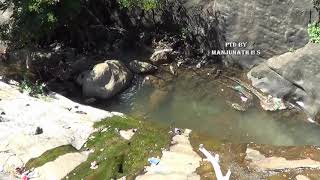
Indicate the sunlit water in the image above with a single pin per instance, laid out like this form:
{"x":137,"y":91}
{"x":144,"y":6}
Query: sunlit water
{"x":200,"y":105}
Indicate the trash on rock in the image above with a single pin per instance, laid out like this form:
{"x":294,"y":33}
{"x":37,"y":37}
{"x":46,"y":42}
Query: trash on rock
{"x":272,"y":104}
{"x":154,"y":161}
{"x":94,"y":165}
{"x":177,"y":131}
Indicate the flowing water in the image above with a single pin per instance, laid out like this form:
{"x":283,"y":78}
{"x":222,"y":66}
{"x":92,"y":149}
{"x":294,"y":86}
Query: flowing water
{"x":200,"y":104}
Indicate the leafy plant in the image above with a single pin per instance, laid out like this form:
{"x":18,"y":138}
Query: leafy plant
{"x":314,"y":32}
{"x":33,"y":89}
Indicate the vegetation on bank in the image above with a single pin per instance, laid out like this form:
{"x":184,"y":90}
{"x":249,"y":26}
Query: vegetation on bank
{"x":117,"y":157}
{"x":33,"y":89}
{"x":314,"y":32}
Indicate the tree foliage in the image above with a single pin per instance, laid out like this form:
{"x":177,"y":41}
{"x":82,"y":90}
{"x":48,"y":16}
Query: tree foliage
{"x":35,"y":19}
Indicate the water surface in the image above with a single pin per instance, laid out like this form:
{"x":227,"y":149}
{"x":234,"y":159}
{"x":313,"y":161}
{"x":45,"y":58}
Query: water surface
{"x":200,"y":104}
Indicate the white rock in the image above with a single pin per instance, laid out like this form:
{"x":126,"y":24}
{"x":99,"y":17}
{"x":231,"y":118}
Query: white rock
{"x":260,"y":162}
{"x":60,"y":167}
{"x":127,"y":134}
{"x":62,"y":120}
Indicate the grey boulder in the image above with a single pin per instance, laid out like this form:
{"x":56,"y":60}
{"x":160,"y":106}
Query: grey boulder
{"x":293,"y":76}
{"x":105,"y":79}
{"x":141,"y":67}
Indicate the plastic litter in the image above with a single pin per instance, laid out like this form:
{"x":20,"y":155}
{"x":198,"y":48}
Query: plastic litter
{"x":94,"y":165}
{"x":1,"y":168}
{"x":177,"y":131}
{"x":154,"y":161}
{"x":244,"y":99}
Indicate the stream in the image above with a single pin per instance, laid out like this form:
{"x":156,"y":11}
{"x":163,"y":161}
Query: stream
{"x":200,"y":104}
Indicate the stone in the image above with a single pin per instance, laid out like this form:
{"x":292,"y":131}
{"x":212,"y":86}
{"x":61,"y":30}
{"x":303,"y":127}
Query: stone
{"x":105,"y":80}
{"x":293,"y":76}
{"x":55,"y":114}
{"x":60,"y":167}
{"x":162,"y":56}
{"x":262,"y":163}
{"x":127,"y":134}
{"x":141,"y":67}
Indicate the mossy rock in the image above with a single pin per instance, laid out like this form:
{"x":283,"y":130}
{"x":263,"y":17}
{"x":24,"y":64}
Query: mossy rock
{"x":117,"y":157}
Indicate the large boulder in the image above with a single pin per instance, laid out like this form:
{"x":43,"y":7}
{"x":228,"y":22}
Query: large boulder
{"x":105,"y":79}
{"x":31,"y":126}
{"x":294,"y":76}
{"x":273,"y":26}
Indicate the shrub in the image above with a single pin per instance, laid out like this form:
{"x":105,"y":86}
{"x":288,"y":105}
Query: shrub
{"x":32,"y":89}
{"x":314,"y":32}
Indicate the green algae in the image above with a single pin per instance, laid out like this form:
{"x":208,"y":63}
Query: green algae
{"x":49,"y":155}
{"x":117,"y":157}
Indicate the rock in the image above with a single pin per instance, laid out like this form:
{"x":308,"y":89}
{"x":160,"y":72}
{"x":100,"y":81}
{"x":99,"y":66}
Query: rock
{"x":60,"y":167}
{"x":293,"y":76}
{"x":105,"y":79}
{"x":127,"y":134}
{"x":162,"y":56}
{"x":55,"y":114}
{"x":141,"y":67}
{"x":180,"y":162}
{"x":262,"y":163}
{"x":210,"y":24}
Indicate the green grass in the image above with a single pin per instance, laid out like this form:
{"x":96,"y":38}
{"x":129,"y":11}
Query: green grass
{"x":118,"y":157}
{"x":48,"y":156}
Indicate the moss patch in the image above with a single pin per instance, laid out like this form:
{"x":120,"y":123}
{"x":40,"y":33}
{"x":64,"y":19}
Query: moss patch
{"x":117,"y":157}
{"x":49,"y":155}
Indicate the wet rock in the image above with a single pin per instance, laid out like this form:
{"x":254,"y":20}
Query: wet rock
{"x":141,"y":67}
{"x":293,"y":76}
{"x":162,"y":56}
{"x":105,"y":79}
{"x":157,"y":98}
